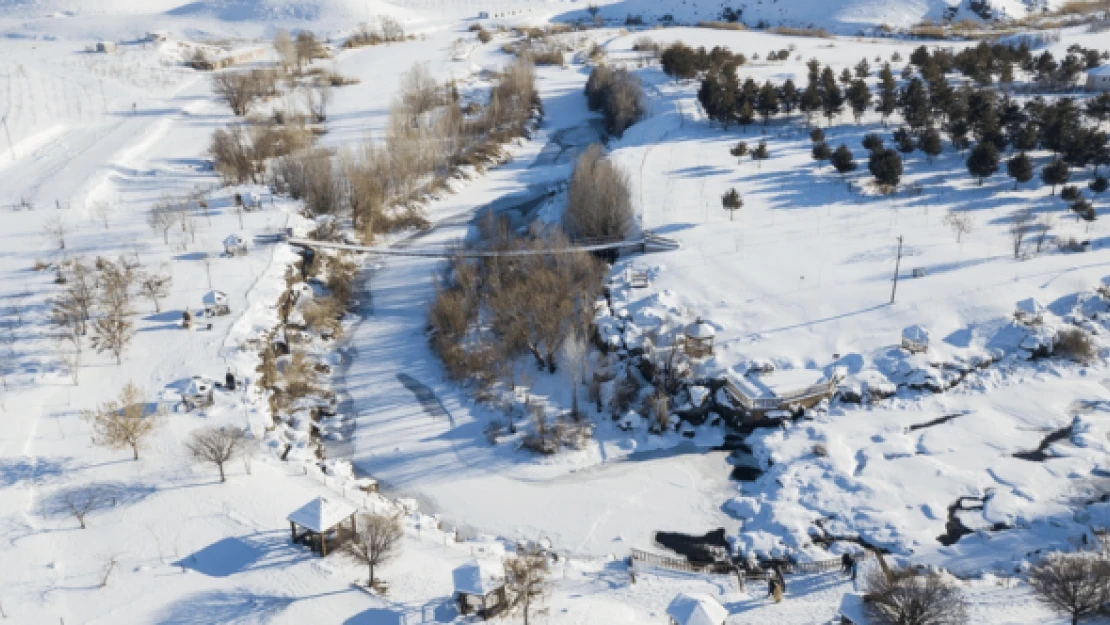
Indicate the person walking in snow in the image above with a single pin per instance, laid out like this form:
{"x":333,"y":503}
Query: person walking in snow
{"x":846,"y":563}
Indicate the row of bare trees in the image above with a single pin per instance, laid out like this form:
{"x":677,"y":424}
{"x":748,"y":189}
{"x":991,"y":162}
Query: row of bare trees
{"x":97,"y":301}
{"x":428,"y":135}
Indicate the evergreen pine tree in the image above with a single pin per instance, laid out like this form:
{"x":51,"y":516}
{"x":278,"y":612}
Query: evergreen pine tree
{"x":983,"y":161}
{"x":931,"y":144}
{"x":1020,"y":168}
{"x":1055,"y":173}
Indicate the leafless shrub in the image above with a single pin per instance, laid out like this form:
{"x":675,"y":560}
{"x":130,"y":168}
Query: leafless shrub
{"x":391,"y":28}
{"x":308,"y":48}
{"x":599,"y":202}
{"x":56,"y":229}
{"x":286,"y":50}
{"x":1020,"y":227}
{"x":907,"y":597}
{"x":112,"y":332}
{"x":323,"y":316}
{"x":378,"y":540}
{"x":1077,"y":345}
{"x":238,"y":89}
{"x":317,"y":99}
{"x":216,"y":445}
{"x":1077,"y":584}
{"x":960,"y":223}
{"x":155,"y":286}
{"x":123,"y":423}
{"x":484,"y":35}
{"x":526,"y":576}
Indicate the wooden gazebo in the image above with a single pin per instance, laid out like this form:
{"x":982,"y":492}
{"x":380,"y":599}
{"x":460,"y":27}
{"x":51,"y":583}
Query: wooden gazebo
{"x":322,"y":524}
{"x":698,"y":339}
{"x":480,"y":589}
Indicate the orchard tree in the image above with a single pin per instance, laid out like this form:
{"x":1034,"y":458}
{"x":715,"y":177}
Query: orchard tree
{"x":859,"y":98}
{"x":1055,"y":173}
{"x":821,"y":152}
{"x":1098,"y":185}
{"x":872,"y":142}
{"x":1020,"y":168}
{"x":843,"y":160}
{"x":761,"y":153}
{"x":886,"y":166}
{"x":740,"y":150}
{"x":732,"y":202}
{"x":931,"y":144}
{"x":983,"y":161}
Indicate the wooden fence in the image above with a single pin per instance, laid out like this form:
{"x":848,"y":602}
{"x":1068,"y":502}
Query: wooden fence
{"x":727,"y":568}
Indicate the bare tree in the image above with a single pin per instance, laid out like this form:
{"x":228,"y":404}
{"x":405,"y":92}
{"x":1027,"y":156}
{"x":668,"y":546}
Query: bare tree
{"x":285,"y":48}
{"x":1076,"y":584}
{"x":377,"y":540}
{"x":56,"y":228}
{"x":1020,"y":227}
{"x":317,"y":98}
{"x":103,"y":212}
{"x":110,"y":564}
{"x":391,"y":28}
{"x":307,"y":47}
{"x":599,"y":202}
{"x":123,"y":423}
{"x":155,"y":286}
{"x":1044,"y":227}
{"x":80,"y":502}
{"x":216,"y":445}
{"x":163,"y":217}
{"x":238,"y":89}
{"x":526,"y":575}
{"x":960,"y":223}
{"x":113,"y":331}
{"x":906,"y":597}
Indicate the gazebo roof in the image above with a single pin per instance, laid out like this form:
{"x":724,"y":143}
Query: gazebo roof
{"x":696,"y":609}
{"x":1030,"y":306}
{"x":234,"y":239}
{"x":916,"y":333}
{"x":700,"y":330}
{"x":478,"y":578}
{"x":322,"y":514}
{"x":213,"y":298}
{"x":199,"y":385}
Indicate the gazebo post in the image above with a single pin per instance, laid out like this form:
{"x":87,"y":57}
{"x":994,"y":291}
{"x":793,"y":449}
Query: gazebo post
{"x":293,"y":530}
{"x":323,"y":544}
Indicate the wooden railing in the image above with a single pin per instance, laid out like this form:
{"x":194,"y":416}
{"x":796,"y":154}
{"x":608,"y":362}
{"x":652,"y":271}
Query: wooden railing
{"x":727,"y":568}
{"x":822,"y":390}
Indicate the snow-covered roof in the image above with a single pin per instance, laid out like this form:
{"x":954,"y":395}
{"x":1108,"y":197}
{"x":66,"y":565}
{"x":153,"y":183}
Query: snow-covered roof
{"x":478,"y":578}
{"x":199,"y":386}
{"x":916,"y":333}
{"x":781,"y":383}
{"x":1030,"y":306}
{"x":851,"y":606}
{"x":696,"y":609}
{"x":1102,"y":70}
{"x":213,"y":298}
{"x":700,"y":330}
{"x":322,"y":514}
{"x":234,"y":240}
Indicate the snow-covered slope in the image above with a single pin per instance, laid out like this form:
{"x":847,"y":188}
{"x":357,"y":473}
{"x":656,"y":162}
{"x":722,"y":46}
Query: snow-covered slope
{"x":840,"y":15}
{"x":232,"y":10}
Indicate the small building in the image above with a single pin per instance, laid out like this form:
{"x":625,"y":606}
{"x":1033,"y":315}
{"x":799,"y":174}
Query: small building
{"x":106,"y":47}
{"x":786,"y":389}
{"x":1029,"y":311}
{"x":198,"y":393}
{"x":480,"y":589}
{"x":322,"y":524}
{"x":915,"y":339}
{"x":696,"y":609}
{"x":698,"y":339}
{"x":216,"y":304}
{"x":1098,"y":79}
{"x":235,"y":245}
{"x":158,"y":36}
{"x":483,"y":15}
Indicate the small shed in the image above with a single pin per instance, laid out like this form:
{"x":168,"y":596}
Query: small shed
{"x":106,"y":47}
{"x":696,"y":609}
{"x":198,"y":393}
{"x":480,"y":589}
{"x":699,"y":339}
{"x":216,"y":304}
{"x":915,"y":339}
{"x":235,"y":245}
{"x":1029,"y":311}
{"x":1098,"y":79}
{"x":322,"y":524}
{"x":483,"y":15}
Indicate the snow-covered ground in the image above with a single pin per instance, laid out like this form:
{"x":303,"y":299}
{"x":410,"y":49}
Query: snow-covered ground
{"x":801,"y":278}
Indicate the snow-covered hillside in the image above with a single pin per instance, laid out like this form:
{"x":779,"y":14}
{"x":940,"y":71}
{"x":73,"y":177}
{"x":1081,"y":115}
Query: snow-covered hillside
{"x":836,"y":15}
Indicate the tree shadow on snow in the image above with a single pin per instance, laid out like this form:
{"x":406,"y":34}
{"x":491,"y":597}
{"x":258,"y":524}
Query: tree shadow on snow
{"x":232,"y":555}
{"x":376,"y":616}
{"x":223,"y":606}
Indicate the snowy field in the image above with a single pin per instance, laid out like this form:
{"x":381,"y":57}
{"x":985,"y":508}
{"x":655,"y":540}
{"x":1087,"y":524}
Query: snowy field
{"x":800,"y":278}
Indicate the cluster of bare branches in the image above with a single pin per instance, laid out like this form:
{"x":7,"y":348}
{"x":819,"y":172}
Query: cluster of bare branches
{"x":530,"y":302}
{"x":599,"y":202}
{"x":526,"y":577}
{"x":95,"y":301}
{"x":377,"y":540}
{"x":240,"y":152}
{"x":217,"y":446}
{"x":241,"y":89}
{"x":909,"y":596}
{"x":124,"y":423}
{"x":1076,"y":584}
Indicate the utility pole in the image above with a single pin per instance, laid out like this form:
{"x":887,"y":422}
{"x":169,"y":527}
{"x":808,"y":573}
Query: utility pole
{"x":897,"y":266}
